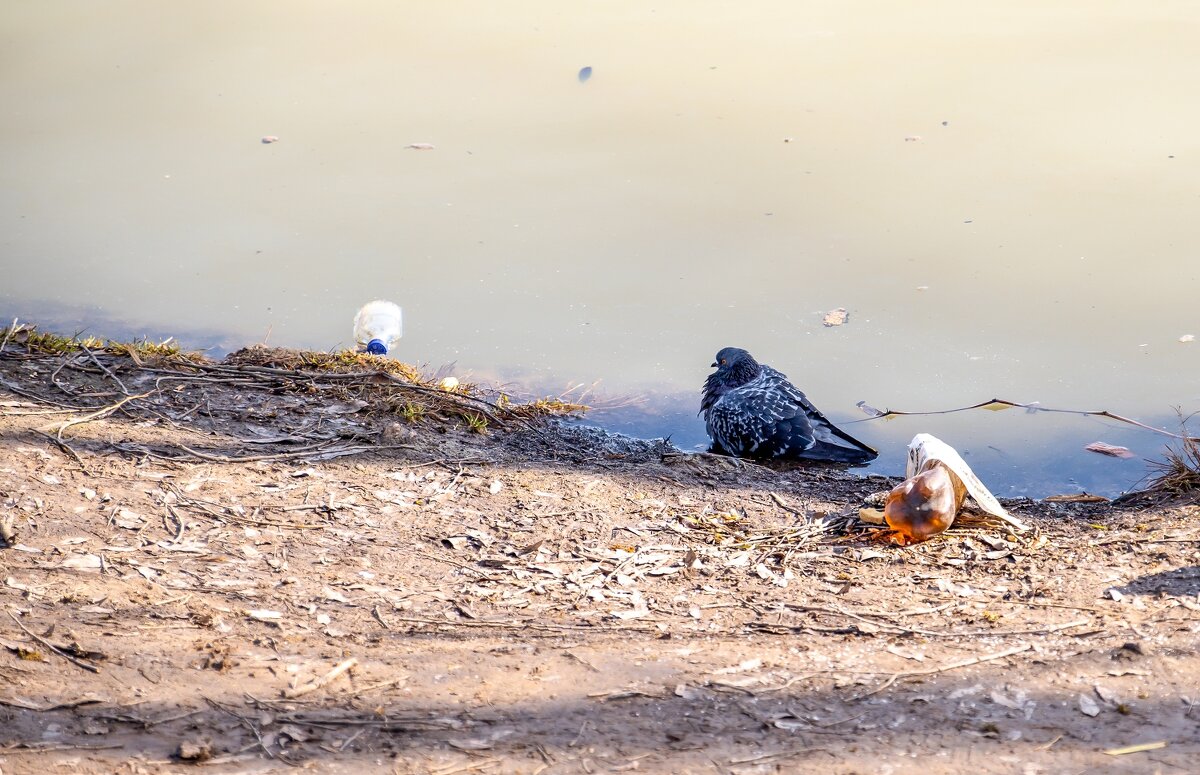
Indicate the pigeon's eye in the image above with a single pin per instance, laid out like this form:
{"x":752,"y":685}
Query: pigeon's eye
{"x":722,"y":361}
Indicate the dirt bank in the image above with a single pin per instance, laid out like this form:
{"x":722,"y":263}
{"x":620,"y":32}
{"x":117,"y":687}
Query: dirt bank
{"x":251,"y":571}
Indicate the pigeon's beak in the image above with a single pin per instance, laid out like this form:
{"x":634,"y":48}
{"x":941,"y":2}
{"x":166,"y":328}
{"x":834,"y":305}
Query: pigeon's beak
{"x":714,"y":364}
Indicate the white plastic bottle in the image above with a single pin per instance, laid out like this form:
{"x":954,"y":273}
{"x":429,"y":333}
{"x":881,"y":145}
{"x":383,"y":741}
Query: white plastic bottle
{"x":378,"y":326}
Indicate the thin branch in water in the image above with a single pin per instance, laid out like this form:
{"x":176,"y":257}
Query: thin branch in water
{"x":1001,"y":403}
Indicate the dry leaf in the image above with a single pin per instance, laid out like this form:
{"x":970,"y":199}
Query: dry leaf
{"x":1109,"y":449}
{"x":635,"y":613}
{"x":149,"y":573}
{"x":871,"y":516}
{"x":334,"y":595}
{"x":913,"y":655}
{"x":264,"y":615}
{"x":87,"y":562}
{"x":835,"y":317}
{"x":294,"y":732}
{"x":129,"y":520}
{"x":741,"y":667}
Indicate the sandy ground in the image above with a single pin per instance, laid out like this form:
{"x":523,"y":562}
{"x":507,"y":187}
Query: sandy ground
{"x":222,"y":576}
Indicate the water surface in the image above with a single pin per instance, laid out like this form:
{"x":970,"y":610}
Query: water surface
{"x":1003,"y":198}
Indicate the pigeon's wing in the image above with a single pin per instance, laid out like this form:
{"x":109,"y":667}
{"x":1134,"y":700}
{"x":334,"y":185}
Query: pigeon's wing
{"x":829,"y":441}
{"x":759,"y":419}
{"x":770,"y":417}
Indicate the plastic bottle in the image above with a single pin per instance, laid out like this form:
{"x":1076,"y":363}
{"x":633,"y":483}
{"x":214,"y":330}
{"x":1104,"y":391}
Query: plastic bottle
{"x":938,"y":483}
{"x":926,"y":504}
{"x":378,"y":327}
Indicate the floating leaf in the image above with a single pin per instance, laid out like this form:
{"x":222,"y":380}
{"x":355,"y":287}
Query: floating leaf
{"x":1108,"y":449}
{"x":835,"y":317}
{"x":869,"y":410}
{"x":585,"y":73}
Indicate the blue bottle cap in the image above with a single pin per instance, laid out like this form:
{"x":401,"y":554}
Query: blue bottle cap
{"x":376,"y":347}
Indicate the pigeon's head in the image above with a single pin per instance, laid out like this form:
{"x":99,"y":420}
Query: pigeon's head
{"x":735,"y":367}
{"x":735,"y":360}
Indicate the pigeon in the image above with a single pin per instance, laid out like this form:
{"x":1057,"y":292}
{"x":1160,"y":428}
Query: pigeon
{"x":751,"y":410}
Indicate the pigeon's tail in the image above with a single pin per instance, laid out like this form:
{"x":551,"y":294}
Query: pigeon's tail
{"x":832,"y":443}
{"x":839,"y":454}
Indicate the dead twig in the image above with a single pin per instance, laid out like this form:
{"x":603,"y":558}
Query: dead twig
{"x":68,"y":449}
{"x":773,"y":757}
{"x":779,"y":502}
{"x":73,"y":660}
{"x":46,"y":747}
{"x":379,"y":618}
{"x":945,"y":668}
{"x":96,"y":415}
{"x":47,"y":708}
{"x":8,"y":333}
{"x":249,"y":725}
{"x":105,"y":369}
{"x":329,"y":677}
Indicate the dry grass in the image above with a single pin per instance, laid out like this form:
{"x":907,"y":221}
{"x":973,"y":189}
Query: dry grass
{"x":388,"y":385}
{"x":1179,"y":472}
{"x":37,"y":343}
{"x":337,"y":362}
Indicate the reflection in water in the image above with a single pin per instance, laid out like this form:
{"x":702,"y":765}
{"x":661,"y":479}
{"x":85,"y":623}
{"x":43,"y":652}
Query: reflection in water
{"x":1002,"y":197}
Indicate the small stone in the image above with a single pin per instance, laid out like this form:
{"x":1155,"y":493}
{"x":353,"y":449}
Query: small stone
{"x":195,"y":750}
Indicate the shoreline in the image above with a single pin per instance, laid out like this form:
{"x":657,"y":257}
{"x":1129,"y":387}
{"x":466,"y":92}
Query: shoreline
{"x":253,"y":566}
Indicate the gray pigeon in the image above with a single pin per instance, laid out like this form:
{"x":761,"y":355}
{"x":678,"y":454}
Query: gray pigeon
{"x":751,"y":410}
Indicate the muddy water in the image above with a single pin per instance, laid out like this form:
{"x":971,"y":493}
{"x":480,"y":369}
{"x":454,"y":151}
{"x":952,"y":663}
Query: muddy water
{"x":1003,"y":198}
